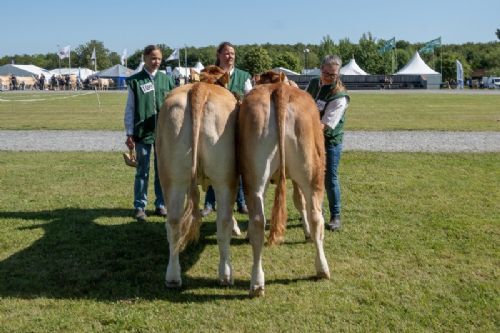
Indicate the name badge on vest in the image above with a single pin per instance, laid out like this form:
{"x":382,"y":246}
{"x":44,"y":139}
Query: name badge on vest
{"x":320,"y":104}
{"x":147,"y":87}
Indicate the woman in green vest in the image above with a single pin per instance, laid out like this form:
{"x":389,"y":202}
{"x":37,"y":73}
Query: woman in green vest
{"x":239,"y":84}
{"x":332,"y":102}
{"x":146,"y":92}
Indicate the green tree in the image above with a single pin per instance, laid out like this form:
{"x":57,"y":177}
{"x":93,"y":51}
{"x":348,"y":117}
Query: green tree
{"x":256,"y":60}
{"x":346,"y":50}
{"x":498,"y":33}
{"x":450,"y":67}
{"x":287,"y":60}
{"x":84,"y":53}
{"x":327,"y":47}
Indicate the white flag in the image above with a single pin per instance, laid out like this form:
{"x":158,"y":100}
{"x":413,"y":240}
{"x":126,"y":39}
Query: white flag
{"x":460,"y":75}
{"x":124,"y":57}
{"x":64,"y":52}
{"x":93,"y":57}
{"x":174,"y":55}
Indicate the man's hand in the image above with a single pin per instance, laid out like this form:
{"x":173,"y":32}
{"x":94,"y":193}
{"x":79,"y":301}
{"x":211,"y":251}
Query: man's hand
{"x":130,"y":142}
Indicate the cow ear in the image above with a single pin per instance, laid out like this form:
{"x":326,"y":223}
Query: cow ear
{"x":282,"y":77}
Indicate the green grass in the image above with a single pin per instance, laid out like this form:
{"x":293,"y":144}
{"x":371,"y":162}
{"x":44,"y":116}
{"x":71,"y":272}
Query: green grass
{"x":423,"y":111}
{"x":418,"y":253}
{"x":62,"y":110}
{"x":368,"y":111}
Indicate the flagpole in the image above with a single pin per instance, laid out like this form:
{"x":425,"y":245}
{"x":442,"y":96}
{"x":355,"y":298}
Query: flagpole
{"x":59,"y":57}
{"x":69,"y":62}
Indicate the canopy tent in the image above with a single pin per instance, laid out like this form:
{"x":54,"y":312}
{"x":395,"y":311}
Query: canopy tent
{"x":117,"y":72}
{"x":181,"y":72}
{"x":416,"y":66}
{"x":24,"y":70}
{"x":352,"y":68}
{"x":82,"y":72}
{"x":285,"y":70}
{"x":198,"y":67}
{"x":139,"y":68}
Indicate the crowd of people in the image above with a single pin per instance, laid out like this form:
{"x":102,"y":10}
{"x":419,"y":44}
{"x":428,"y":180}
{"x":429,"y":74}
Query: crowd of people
{"x":147,"y":88}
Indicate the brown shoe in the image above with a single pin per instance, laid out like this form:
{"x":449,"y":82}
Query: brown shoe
{"x":140,"y":215}
{"x":161,"y":211}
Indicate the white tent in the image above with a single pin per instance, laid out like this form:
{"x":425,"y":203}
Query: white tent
{"x":285,"y":70}
{"x":352,"y":68}
{"x":181,"y":72}
{"x":416,"y":66}
{"x":23,"y":70}
{"x":198,"y":67}
{"x":83,"y":72}
{"x":139,"y":68}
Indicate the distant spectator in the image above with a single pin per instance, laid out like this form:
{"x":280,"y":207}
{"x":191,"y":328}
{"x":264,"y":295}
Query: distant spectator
{"x":41,"y":82}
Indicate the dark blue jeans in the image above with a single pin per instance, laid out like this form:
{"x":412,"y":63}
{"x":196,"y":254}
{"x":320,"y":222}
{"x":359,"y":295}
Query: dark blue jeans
{"x":210,"y":197}
{"x":143,"y":155}
{"x":332,"y":183}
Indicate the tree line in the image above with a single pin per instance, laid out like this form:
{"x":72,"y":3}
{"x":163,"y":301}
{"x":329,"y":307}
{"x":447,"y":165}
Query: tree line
{"x":257,"y":58}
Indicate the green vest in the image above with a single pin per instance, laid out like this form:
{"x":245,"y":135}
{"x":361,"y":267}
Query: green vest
{"x":237,"y":82}
{"x":148,"y":102}
{"x":325,"y":93}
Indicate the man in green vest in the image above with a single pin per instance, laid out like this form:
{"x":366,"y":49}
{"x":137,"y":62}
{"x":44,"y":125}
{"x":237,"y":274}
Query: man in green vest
{"x":239,"y":84}
{"x":332,"y":102}
{"x":146,"y":92}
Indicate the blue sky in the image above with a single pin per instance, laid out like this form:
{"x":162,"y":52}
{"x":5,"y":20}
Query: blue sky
{"x":31,"y":27}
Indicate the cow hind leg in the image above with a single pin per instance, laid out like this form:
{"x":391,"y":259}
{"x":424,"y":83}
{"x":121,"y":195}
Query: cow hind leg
{"x":175,"y":208}
{"x":317,"y":222}
{"x":256,"y":233}
{"x":225,"y":199}
{"x":300,"y":204}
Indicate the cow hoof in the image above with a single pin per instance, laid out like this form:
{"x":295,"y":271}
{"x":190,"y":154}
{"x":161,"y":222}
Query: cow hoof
{"x":323,"y":276}
{"x":173,"y":284}
{"x":257,"y":292}
{"x":225,"y":282}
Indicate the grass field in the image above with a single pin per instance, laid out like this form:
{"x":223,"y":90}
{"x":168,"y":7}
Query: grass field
{"x":418,"y":253}
{"x":368,"y":111}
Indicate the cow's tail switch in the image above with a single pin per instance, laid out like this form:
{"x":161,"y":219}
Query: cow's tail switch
{"x":279,"y":212}
{"x":191,"y":220}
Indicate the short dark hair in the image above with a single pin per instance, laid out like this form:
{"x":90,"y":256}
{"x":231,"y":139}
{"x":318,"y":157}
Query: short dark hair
{"x":150,"y":48}
{"x":219,"y":50}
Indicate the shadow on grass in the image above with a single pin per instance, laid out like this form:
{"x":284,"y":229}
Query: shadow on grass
{"x":79,"y":258}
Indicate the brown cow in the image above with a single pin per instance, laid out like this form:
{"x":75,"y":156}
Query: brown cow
{"x":195,"y":141}
{"x":280,"y":136}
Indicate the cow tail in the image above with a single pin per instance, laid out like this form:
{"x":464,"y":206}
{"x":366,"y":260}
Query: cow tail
{"x":279,"y":213}
{"x":191,"y":219}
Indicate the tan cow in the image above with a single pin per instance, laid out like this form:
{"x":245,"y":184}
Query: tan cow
{"x":298,"y":198}
{"x":4,"y":82}
{"x":195,"y":142}
{"x":101,"y":84}
{"x":26,"y":82}
{"x":280,"y":136}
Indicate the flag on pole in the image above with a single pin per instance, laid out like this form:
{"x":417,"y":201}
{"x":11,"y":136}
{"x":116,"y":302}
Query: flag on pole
{"x":388,"y":46}
{"x":174,"y":55}
{"x":124,"y":57}
{"x":93,"y":57}
{"x":64,"y":52}
{"x":460,"y":75}
{"x":430,"y":46}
